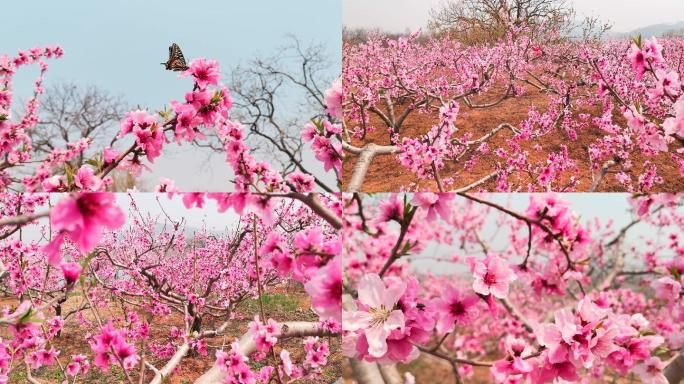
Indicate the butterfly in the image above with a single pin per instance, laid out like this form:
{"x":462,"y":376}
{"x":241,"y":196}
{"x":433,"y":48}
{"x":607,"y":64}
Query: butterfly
{"x":176,"y":60}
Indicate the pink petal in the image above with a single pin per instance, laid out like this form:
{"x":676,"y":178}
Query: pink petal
{"x":372,"y":290}
{"x":377,"y":341}
{"x":353,"y":321}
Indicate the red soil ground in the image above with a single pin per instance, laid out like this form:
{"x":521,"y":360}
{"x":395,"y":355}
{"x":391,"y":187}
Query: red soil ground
{"x":387,"y":175}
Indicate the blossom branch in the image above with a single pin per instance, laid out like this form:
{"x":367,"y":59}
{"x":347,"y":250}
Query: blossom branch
{"x":292,"y":329}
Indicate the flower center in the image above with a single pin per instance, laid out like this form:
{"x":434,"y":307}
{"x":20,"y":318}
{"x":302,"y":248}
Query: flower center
{"x":457,"y":308}
{"x":87,"y":206}
{"x":336,"y":290}
{"x":379,"y":315}
{"x":489,"y":279}
{"x":640,"y":57}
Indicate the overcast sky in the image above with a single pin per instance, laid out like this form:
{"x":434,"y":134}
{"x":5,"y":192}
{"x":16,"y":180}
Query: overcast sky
{"x":117,"y":45}
{"x":398,"y":15}
{"x":605,"y":207}
{"x":156,"y":204}
{"x":196,"y":218}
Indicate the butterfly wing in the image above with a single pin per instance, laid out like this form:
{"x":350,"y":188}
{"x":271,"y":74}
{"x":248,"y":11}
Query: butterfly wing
{"x":178,"y":65}
{"x":176,"y":59}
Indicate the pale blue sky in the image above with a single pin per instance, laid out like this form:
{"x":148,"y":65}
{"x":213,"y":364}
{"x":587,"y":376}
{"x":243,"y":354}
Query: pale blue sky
{"x":398,"y":15}
{"x":118,"y":44}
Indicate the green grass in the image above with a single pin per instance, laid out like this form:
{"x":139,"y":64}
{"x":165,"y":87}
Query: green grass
{"x":54,"y":375}
{"x":273,"y":303}
{"x":18,"y":375}
{"x":257,"y":365}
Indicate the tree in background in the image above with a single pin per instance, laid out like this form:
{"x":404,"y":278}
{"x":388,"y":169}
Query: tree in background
{"x":71,"y":112}
{"x":196,"y":116}
{"x":484,"y":21}
{"x":273,"y":97}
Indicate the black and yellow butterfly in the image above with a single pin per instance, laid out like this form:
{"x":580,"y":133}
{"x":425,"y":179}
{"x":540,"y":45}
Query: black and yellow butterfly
{"x":176,"y":60}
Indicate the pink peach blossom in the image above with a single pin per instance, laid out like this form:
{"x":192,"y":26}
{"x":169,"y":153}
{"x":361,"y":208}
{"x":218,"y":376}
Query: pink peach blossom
{"x":71,"y":271}
{"x":454,"y":307}
{"x":651,"y":371}
{"x":333,"y":99}
{"x":206,"y":72}
{"x":434,"y":204}
{"x":492,"y":276}
{"x":81,"y":218}
{"x":376,"y":316}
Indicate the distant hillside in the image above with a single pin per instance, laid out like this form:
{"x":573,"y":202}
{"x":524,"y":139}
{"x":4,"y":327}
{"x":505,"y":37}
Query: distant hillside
{"x":651,"y":30}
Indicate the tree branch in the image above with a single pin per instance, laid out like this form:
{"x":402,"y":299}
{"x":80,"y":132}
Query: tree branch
{"x":248,"y":346}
